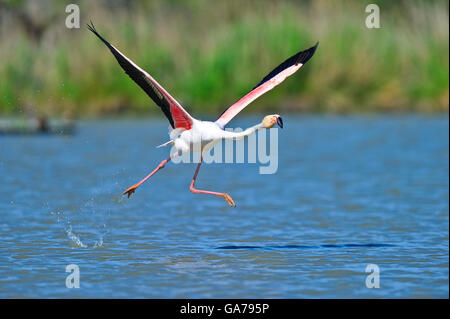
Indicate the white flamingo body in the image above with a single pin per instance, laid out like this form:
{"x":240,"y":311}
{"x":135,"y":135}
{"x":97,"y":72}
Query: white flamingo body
{"x":204,"y":135}
{"x":201,"y":137}
{"x":188,"y":134}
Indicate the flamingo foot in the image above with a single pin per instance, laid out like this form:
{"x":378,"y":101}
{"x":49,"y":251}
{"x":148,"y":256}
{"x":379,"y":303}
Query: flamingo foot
{"x":130,"y":190}
{"x":229,"y":200}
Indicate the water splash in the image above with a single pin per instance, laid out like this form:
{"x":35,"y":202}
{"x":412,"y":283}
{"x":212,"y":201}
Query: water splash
{"x":74,"y":238}
{"x":98,"y":243}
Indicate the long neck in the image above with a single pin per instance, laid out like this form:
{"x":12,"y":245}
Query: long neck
{"x":241,"y":135}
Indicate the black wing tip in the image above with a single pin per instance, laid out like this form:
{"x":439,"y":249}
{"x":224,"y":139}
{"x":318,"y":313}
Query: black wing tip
{"x":307,"y":54}
{"x":91,"y":28}
{"x":301,"y":57}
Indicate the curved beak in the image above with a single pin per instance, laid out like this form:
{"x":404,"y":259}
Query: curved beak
{"x":280,"y":121}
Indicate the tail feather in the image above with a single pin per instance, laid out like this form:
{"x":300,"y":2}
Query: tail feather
{"x":166,"y":143}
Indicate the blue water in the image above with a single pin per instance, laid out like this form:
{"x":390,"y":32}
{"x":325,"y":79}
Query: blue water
{"x":349,"y":192}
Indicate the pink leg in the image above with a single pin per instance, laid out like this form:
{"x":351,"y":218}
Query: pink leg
{"x":131,"y":189}
{"x":197,"y":191}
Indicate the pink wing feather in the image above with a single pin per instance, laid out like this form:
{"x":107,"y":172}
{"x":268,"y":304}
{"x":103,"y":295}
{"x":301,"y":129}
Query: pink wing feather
{"x":175,"y":113}
{"x":278,"y":75}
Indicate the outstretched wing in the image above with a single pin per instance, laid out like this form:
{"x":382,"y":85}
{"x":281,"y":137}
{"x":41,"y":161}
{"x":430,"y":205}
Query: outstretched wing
{"x":177,"y":116}
{"x":278,"y":75}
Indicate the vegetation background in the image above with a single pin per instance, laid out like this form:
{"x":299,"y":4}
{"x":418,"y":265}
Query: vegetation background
{"x":210,"y":53}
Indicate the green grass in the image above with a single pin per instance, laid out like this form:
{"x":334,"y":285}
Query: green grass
{"x":209,"y":54}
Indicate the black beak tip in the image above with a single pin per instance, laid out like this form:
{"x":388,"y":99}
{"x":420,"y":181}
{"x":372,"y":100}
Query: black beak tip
{"x":280,"y":122}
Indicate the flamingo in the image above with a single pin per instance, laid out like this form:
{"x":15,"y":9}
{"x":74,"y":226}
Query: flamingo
{"x":188,"y":134}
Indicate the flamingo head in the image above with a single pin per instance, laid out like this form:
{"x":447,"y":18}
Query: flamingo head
{"x":270,"y":120}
